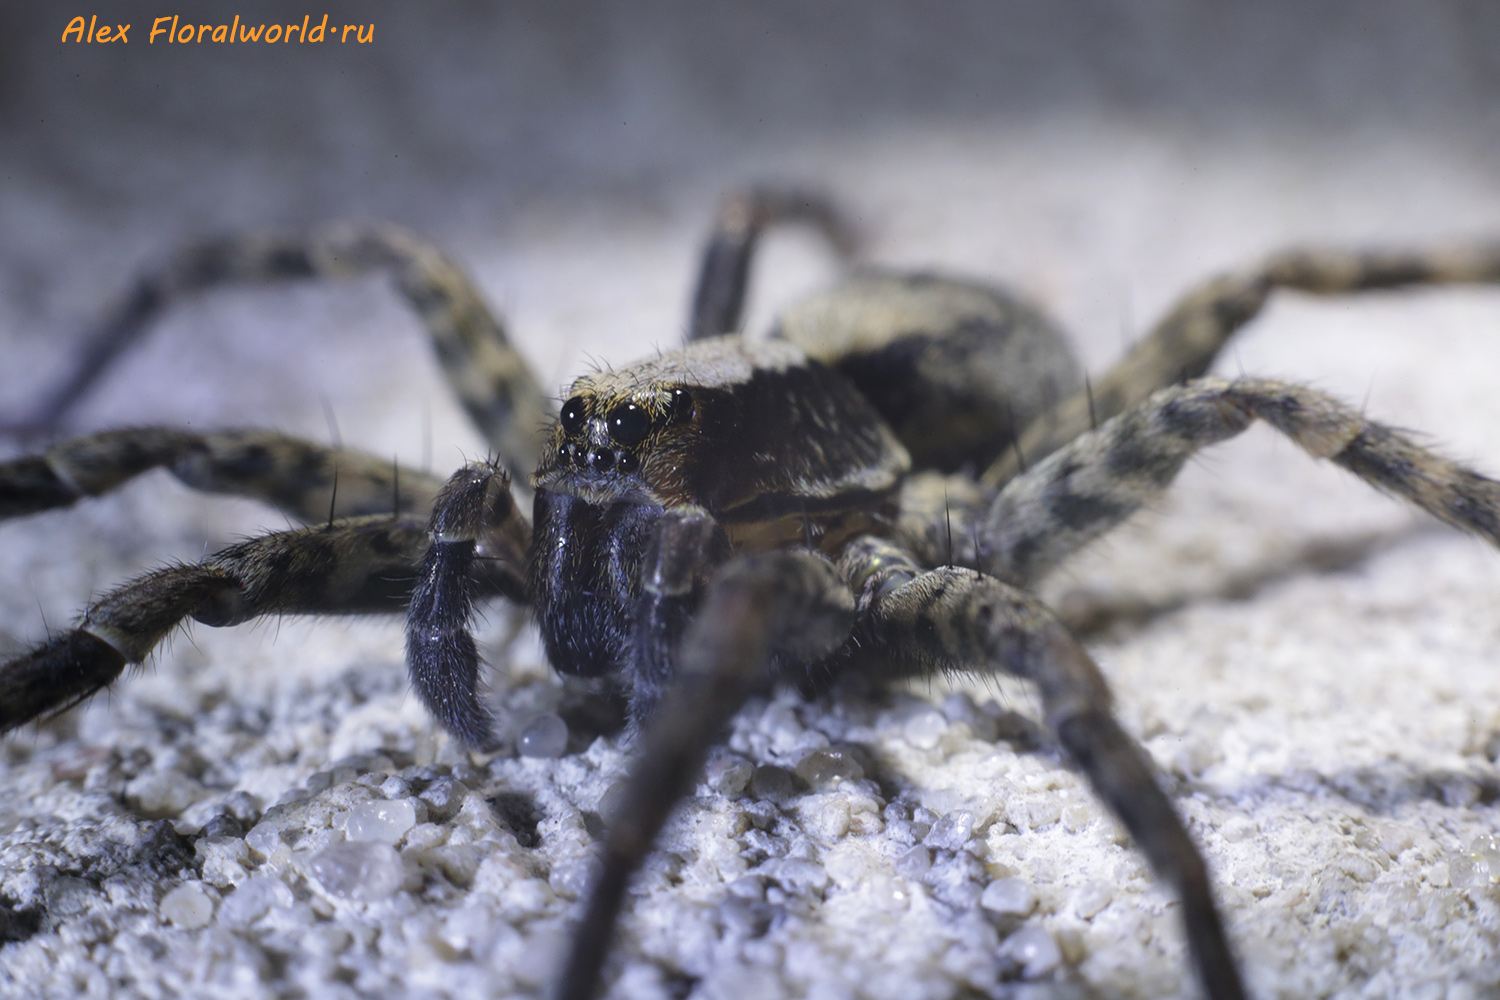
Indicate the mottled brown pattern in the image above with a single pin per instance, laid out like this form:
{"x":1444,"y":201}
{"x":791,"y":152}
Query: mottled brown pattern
{"x":490,"y":379}
{"x":296,"y":476}
{"x":1186,"y":341}
{"x":1103,"y":476}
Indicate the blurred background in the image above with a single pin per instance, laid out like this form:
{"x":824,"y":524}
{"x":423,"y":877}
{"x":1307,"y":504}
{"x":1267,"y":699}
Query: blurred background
{"x":1096,"y":155}
{"x":1099,"y":157}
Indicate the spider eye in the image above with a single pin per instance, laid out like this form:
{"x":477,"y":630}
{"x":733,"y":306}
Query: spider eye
{"x":572,"y":416}
{"x":628,"y":423}
{"x":682,"y":406}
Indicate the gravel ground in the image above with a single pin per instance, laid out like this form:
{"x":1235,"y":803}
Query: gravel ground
{"x":265,"y":811}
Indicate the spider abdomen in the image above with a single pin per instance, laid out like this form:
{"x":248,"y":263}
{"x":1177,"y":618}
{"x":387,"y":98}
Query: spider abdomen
{"x":957,"y":368}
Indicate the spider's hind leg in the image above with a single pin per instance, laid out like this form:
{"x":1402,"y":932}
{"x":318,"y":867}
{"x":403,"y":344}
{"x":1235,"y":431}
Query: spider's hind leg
{"x":915,"y":623}
{"x":1186,"y":341}
{"x":488,"y":375}
{"x":1105,"y":475}
{"x":724,"y":266}
{"x":292,"y":474}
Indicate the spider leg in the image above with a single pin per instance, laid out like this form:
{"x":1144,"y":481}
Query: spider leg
{"x":953,"y":618}
{"x":292,"y":474}
{"x":686,"y":544}
{"x":1103,"y":476}
{"x":724,"y":268}
{"x":1184,"y":343}
{"x":758,"y":608}
{"x":479,"y":542}
{"x":363,"y":565}
{"x":489,"y":377}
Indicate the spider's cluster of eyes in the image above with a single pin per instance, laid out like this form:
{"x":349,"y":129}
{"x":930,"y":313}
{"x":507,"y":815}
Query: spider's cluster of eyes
{"x":627,"y":425}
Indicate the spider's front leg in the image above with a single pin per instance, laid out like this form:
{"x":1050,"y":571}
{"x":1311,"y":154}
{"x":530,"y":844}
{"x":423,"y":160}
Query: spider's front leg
{"x":368,"y":565}
{"x":364,"y":565}
{"x":479,"y":543}
{"x":758,"y":608}
{"x":916,"y":623}
{"x":489,"y":377}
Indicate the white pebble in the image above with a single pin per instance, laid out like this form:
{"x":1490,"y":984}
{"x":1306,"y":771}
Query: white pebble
{"x":1034,"y":948}
{"x":545,"y":736}
{"x":188,"y":906}
{"x":796,"y":875}
{"x":223,"y":860}
{"x":914,"y":863}
{"x":383,"y":821}
{"x":572,"y":879}
{"x":1487,"y":849}
{"x":952,"y":831}
{"x":729,"y":775}
{"x":828,"y":768}
{"x":1463,"y":872}
{"x":164,"y":794}
{"x":925,"y":729}
{"x":1092,"y":898}
{"x":252,"y":900}
{"x":1076,"y":816}
{"x":1038,"y":810}
{"x":264,"y":839}
{"x":364,"y":871}
{"x":394,"y":786}
{"x":1011,"y":896}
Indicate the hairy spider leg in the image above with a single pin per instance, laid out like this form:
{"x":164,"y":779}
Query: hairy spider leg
{"x":1103,"y":476}
{"x":363,"y":565}
{"x":915,"y":623}
{"x":724,"y":265}
{"x":479,"y":544}
{"x":758,"y":609}
{"x":686,"y":545}
{"x":292,"y":474}
{"x":1186,"y":341}
{"x":489,"y":377}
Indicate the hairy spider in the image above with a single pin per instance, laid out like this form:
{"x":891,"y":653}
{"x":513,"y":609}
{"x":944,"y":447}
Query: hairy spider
{"x":871,"y":489}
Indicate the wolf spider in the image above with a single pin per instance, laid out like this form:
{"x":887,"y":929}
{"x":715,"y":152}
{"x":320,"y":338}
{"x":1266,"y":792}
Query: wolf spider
{"x":872,"y":488}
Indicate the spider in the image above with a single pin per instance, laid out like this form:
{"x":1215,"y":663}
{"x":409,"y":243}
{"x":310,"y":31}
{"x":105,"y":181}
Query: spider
{"x":870,"y":490}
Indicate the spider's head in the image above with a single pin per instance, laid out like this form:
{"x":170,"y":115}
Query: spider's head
{"x":617,"y":442}
{"x":751,"y":431}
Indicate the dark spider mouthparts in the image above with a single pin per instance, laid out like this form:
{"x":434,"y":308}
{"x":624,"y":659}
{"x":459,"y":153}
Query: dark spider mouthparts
{"x":737,"y":513}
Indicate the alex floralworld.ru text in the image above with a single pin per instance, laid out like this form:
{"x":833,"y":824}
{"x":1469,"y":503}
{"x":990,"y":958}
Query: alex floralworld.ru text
{"x":172,"y":31}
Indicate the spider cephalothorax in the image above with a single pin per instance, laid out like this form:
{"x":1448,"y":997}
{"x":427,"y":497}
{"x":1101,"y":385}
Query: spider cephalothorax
{"x":775,"y":448}
{"x":870,"y":489}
